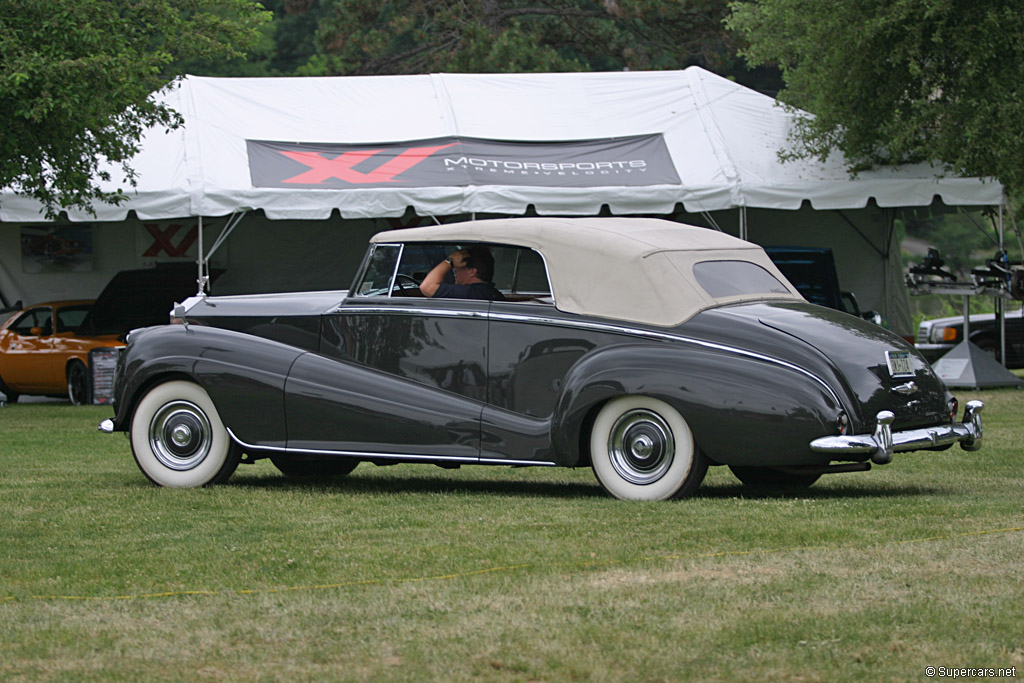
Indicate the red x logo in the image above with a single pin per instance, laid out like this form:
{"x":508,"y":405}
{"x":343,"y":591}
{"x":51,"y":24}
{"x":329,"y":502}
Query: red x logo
{"x":162,"y":239}
{"x":341,"y":167}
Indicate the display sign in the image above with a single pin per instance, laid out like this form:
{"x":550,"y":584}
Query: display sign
{"x":102,"y":363}
{"x":638,"y":160}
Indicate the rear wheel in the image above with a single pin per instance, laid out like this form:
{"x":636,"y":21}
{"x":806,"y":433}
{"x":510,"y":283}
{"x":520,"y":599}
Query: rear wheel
{"x":313,"y":466}
{"x":78,"y":383}
{"x":178,"y":438}
{"x":772,"y":478}
{"x":642,"y":449}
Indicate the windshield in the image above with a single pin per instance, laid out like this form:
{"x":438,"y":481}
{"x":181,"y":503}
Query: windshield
{"x":381,"y":267}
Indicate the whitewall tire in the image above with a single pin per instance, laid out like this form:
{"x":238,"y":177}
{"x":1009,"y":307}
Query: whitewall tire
{"x":642,"y":449}
{"x":178,"y":438}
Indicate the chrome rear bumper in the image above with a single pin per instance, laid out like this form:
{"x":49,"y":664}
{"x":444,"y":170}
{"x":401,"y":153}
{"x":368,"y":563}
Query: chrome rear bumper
{"x":884,"y":442}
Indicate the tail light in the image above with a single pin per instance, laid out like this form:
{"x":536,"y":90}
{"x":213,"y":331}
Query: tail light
{"x":842,"y":423}
{"x":952,"y":406}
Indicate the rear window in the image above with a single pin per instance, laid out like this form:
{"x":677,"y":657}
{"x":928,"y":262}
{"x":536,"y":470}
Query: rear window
{"x":722,"y":279}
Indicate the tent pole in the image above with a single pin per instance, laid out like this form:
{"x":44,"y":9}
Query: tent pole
{"x":229,"y":226}
{"x":1000,"y":302}
{"x":743,"y":222}
{"x":887,"y":236}
{"x":201,"y":281}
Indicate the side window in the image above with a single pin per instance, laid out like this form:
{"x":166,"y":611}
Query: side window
{"x":398,"y":269}
{"x":520,"y":274}
{"x":70,"y":317}
{"x":37,"y":317}
{"x":531,"y":275}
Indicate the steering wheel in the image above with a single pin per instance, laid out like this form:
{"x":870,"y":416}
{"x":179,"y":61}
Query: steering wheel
{"x":401,"y":287}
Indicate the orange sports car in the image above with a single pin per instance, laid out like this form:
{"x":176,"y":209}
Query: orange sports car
{"x":44,"y":352}
{"x":44,"y":349}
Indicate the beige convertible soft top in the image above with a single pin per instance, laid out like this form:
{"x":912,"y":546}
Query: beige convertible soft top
{"x":632,"y":269}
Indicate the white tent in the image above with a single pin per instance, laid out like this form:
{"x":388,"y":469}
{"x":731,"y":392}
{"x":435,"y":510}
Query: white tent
{"x":714,"y":144}
{"x":723,"y":139}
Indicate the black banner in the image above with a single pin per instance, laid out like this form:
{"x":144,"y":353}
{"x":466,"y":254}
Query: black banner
{"x":639,"y":160}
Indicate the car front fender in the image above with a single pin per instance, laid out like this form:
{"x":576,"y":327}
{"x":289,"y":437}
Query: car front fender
{"x":244,"y":375}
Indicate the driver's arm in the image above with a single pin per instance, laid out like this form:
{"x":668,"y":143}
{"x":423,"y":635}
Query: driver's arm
{"x":436,"y":276}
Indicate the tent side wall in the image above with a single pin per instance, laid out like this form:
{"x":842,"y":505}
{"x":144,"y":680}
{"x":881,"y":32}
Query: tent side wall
{"x":260,"y":256}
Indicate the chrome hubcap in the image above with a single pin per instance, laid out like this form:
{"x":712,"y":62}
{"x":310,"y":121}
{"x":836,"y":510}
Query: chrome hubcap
{"x":641,"y":447}
{"x":180,"y":435}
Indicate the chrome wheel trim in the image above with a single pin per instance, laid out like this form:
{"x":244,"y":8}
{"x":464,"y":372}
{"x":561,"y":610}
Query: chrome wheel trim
{"x":180,"y":435}
{"x":641,"y":447}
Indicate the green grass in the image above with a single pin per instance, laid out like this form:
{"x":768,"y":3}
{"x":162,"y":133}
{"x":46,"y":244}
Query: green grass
{"x":418,"y":573}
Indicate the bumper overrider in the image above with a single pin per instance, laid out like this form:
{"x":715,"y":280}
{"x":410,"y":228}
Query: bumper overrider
{"x":884,"y":442}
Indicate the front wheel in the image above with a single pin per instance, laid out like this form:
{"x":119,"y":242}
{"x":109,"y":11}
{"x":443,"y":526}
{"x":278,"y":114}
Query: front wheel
{"x":178,"y":438}
{"x":642,"y":449}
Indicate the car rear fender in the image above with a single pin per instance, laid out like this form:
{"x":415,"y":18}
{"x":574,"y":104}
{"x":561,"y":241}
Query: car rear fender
{"x":743,"y":410}
{"x":244,"y":375}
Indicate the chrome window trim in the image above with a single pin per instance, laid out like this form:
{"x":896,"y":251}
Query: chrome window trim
{"x":371,"y":455}
{"x":595,"y":326}
{"x":547,"y":271}
{"x":398,"y":264}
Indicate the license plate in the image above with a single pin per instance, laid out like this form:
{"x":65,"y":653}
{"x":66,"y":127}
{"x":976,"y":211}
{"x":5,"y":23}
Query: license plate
{"x":899,"y":363}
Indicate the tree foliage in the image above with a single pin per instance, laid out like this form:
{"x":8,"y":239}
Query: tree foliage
{"x":421,"y":36}
{"x":76,"y":78}
{"x":892,"y":81}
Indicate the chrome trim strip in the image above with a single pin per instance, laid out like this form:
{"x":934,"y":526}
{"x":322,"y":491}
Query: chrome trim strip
{"x":588,"y":325}
{"x":370,"y":455}
{"x":394,"y":272}
{"x":402,"y":310}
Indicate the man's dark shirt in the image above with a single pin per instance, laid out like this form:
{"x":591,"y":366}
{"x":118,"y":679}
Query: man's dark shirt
{"x":476,"y":290}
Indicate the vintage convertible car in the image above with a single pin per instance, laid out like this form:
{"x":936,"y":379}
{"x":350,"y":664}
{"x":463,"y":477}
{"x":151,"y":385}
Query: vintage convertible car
{"x":644,"y":349}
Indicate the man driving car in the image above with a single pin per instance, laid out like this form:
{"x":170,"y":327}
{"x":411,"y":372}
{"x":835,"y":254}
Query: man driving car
{"x":474,"y":270}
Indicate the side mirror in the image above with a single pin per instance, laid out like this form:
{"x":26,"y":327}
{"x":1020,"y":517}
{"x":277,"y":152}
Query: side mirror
{"x":850,"y":304}
{"x":36,"y":332}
